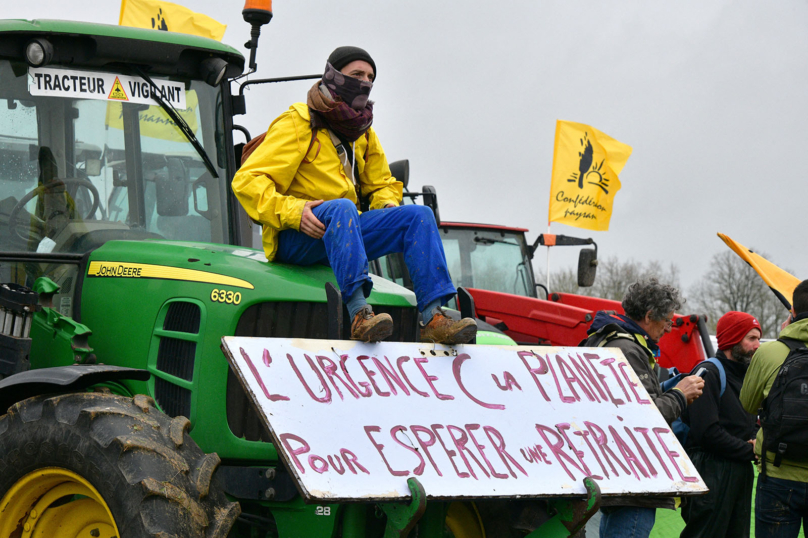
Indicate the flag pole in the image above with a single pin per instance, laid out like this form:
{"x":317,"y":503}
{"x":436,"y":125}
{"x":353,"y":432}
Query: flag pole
{"x":548,"y":262}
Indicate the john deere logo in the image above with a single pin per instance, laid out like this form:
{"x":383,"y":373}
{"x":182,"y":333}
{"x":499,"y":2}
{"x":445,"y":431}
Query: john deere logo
{"x":587,"y":172}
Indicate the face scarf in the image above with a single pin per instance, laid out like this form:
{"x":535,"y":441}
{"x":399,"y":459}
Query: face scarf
{"x":349,"y":121}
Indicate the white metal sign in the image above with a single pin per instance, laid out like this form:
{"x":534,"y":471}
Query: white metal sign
{"x":354,"y":420}
{"x":102,"y":85}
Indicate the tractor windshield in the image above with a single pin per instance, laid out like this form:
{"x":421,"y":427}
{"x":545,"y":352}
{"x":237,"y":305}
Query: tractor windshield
{"x":87,"y":156}
{"x":488,"y":259}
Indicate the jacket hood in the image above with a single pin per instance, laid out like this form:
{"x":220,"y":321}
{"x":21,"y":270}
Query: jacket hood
{"x":627,"y":324}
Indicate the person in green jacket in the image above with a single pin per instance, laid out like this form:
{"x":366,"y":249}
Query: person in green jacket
{"x":781,"y":499}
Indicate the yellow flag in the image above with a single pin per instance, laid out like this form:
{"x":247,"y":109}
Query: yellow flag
{"x":155,"y":123}
{"x":781,"y":282}
{"x":585,"y":167}
{"x":169,"y":17}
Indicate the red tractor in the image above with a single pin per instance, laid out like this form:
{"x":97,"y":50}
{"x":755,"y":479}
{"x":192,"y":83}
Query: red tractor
{"x":494,"y":263}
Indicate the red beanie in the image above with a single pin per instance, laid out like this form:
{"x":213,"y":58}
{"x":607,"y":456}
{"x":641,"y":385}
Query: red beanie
{"x":733,"y":327}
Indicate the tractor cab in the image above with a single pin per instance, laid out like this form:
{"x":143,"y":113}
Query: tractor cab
{"x":494,"y":264}
{"x":87,"y":156}
{"x":485,"y":256}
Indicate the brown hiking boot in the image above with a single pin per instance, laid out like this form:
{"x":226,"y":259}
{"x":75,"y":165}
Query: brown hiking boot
{"x":370,"y":327}
{"x":444,"y":330}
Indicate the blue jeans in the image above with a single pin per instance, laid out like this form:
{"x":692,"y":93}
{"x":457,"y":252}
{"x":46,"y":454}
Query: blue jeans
{"x":626,"y":522}
{"x":352,"y":239}
{"x":781,"y":506}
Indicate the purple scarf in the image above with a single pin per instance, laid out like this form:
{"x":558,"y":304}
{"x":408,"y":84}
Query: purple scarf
{"x":348,"y":121}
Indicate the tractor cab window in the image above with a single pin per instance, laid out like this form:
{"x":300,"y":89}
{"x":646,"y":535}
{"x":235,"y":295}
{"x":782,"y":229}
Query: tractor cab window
{"x":488,"y":259}
{"x":76,"y":172}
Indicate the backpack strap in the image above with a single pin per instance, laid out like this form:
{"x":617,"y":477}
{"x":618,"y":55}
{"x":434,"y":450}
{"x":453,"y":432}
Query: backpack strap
{"x":611,"y":332}
{"x":346,"y":156}
{"x":350,"y":167}
{"x":792,"y":343}
{"x":722,"y":375}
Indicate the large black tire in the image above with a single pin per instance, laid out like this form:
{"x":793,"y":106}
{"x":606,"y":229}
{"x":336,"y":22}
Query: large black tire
{"x":155,"y":480}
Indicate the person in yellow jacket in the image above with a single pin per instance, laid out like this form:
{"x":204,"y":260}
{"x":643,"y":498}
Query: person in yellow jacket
{"x":303,"y":183}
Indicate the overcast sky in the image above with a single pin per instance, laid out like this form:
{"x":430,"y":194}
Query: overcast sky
{"x":711,"y":96}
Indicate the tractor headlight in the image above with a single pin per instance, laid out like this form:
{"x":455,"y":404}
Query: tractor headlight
{"x":38,"y":52}
{"x":213,"y":70}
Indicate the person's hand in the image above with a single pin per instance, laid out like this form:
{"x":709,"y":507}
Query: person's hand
{"x":787,"y":322}
{"x":309,"y":224}
{"x":691,"y":386}
{"x":752,"y":442}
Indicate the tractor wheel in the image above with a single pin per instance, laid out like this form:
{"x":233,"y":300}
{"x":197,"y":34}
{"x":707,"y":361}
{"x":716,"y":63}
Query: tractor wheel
{"x":463,"y":520}
{"x":97,"y":465}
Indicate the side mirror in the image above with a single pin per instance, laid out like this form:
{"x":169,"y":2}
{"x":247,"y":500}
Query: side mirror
{"x":431,"y":201}
{"x":204,"y":182}
{"x":172,"y":190}
{"x":92,"y":167}
{"x":401,"y":171}
{"x":587,"y":267}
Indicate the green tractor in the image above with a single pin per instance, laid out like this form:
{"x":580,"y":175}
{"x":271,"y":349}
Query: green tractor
{"x":124,"y":260}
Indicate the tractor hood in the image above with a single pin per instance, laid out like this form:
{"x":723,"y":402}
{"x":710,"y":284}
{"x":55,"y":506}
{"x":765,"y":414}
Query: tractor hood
{"x":237,"y":269}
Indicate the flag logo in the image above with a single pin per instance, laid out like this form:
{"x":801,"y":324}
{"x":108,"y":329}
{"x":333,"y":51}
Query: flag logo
{"x":588,"y":172}
{"x":169,"y":17}
{"x":160,"y":24}
{"x":584,"y":180}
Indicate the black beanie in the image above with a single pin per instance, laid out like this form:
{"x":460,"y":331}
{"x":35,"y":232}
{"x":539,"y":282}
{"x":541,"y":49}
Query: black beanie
{"x":342,"y":56}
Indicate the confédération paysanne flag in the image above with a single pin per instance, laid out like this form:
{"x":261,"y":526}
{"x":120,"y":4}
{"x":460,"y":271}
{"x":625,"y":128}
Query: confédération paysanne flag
{"x":780,"y":281}
{"x":169,"y":17}
{"x":586,"y":163}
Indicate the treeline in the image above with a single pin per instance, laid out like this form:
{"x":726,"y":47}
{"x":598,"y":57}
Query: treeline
{"x":729,"y":284}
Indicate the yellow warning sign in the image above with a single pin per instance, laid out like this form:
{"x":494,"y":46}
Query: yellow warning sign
{"x":117,"y":92}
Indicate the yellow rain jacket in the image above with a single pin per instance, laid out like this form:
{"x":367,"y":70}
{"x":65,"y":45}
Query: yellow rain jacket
{"x":275,"y":182}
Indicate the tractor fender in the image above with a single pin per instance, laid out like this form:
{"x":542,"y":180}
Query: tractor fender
{"x":75,"y":378}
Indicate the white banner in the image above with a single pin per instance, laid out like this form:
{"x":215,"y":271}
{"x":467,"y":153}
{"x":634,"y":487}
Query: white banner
{"x":102,"y":85}
{"x":354,"y":420}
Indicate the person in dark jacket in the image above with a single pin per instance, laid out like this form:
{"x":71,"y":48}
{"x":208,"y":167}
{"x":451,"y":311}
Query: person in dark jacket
{"x":649,"y":308}
{"x":721,"y":438}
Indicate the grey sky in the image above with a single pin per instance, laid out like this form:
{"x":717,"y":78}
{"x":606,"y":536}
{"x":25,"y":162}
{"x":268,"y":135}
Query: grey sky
{"x":709,"y":94}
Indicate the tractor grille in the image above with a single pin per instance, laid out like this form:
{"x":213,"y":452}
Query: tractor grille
{"x":182,"y":317}
{"x":294,"y":320}
{"x":173,"y":400}
{"x":176,"y":356}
